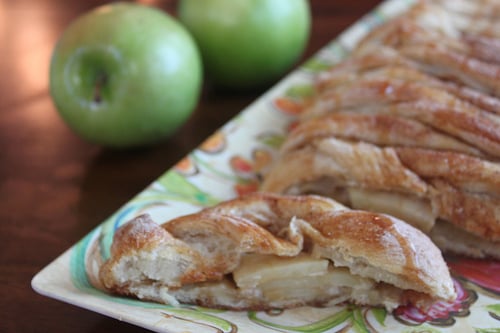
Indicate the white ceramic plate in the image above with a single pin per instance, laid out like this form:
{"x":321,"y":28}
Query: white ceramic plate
{"x":225,"y":165}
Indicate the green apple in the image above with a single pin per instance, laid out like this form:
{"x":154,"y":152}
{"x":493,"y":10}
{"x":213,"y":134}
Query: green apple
{"x":125,"y":75}
{"x":247,"y":43}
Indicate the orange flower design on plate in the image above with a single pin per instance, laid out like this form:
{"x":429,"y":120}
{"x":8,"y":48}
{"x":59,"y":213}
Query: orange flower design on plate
{"x":249,"y":171}
{"x":295,"y":99}
{"x":186,"y":166}
{"x":214,"y":144}
{"x":289,"y":105}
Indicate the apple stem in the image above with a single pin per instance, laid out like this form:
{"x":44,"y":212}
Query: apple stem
{"x":99,"y":83}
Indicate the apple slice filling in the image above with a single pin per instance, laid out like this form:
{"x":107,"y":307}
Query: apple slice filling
{"x":297,"y":278}
{"x":416,"y":211}
{"x":259,"y":269}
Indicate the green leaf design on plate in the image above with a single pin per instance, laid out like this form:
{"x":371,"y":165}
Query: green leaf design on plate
{"x":110,"y":224}
{"x":178,"y":188}
{"x":317,"y":327}
{"x":316,"y":65}
{"x":358,"y":321}
{"x":352,"y":317}
{"x":380,"y":314}
{"x":77,"y":266}
{"x":272,"y":140}
{"x":487,"y":330}
{"x":201,"y":318}
{"x":300,"y":91}
{"x":494,"y":308}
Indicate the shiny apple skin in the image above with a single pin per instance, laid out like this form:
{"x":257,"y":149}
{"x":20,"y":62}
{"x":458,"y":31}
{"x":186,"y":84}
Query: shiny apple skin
{"x":247,"y":44}
{"x":125,"y":75}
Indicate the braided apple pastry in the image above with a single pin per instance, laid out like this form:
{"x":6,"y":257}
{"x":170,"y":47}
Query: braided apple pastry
{"x":409,"y":125}
{"x":265,"y":251}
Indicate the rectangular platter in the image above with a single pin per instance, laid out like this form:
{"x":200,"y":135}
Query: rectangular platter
{"x":212,"y":173}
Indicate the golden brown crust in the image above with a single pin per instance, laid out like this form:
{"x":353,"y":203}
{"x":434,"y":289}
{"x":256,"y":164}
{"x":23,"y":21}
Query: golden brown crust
{"x":475,"y":213}
{"x":386,"y":64}
{"x":379,"y":129}
{"x":465,"y":172}
{"x":208,"y":245}
{"x":468,"y":192}
{"x":444,"y":113}
{"x":413,"y":114}
{"x":347,"y":163}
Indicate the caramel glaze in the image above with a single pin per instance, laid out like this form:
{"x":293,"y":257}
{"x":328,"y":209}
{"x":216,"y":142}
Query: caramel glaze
{"x":372,"y":230}
{"x":388,"y":64}
{"x":435,"y":108}
{"x":380,"y":129}
{"x":465,"y":172}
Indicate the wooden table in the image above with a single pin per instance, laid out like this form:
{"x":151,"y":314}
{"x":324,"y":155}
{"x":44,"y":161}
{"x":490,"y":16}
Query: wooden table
{"x":54,"y":187}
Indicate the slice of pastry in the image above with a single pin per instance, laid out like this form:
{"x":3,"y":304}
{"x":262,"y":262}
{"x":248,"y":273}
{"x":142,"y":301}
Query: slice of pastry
{"x":409,"y":125}
{"x":266,"y":251}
